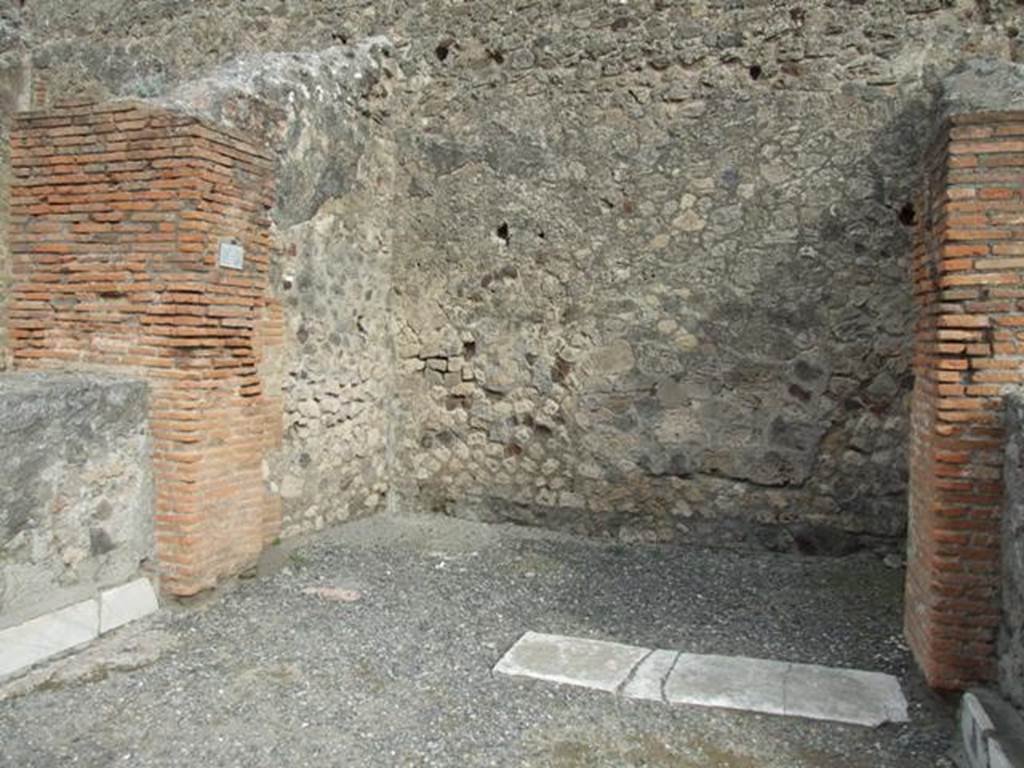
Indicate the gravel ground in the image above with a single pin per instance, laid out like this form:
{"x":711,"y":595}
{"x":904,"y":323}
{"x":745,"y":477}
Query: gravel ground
{"x":261,"y":673}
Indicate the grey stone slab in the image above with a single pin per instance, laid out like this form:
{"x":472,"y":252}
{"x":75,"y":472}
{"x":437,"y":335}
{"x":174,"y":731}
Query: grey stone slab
{"x":990,"y":730}
{"x":593,"y":664}
{"x":647,"y":681}
{"x":29,"y":643}
{"x":997,"y":757}
{"x":126,"y":603}
{"x":728,"y":682}
{"x":974,"y":726}
{"x":844,"y":695}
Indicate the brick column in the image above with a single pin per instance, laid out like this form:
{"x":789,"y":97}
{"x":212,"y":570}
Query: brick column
{"x":968,"y":272}
{"x":118,"y":215}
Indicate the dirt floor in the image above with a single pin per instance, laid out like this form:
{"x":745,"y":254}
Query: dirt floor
{"x":373,"y":644}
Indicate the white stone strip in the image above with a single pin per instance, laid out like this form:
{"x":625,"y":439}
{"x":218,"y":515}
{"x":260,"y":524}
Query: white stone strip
{"x":53,"y":633}
{"x":126,"y":603}
{"x":45,"y":636}
{"x":730,"y":682}
{"x":844,"y":695}
{"x":587,"y":663}
{"x":648,"y":682}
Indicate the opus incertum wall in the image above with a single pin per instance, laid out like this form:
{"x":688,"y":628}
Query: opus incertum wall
{"x":968,"y":274}
{"x":140,"y":242}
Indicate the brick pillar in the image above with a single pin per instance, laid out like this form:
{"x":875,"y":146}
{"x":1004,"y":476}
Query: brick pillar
{"x":968,"y":271}
{"x":118,"y":215}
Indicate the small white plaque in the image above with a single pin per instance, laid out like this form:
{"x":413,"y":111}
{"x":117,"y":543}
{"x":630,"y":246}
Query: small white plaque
{"x":231,"y":256}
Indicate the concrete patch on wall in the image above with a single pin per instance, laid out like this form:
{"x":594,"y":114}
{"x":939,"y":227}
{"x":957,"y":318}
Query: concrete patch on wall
{"x":76,"y":501}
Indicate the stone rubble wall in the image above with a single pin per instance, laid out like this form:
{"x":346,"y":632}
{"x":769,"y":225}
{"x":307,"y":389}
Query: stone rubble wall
{"x":641,"y":270}
{"x":321,"y":113}
{"x":80,"y":516}
{"x":652,"y":262}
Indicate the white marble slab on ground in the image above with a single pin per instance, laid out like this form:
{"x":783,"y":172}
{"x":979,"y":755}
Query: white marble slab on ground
{"x":730,"y":682}
{"x":38,"y":639}
{"x":126,"y":603}
{"x":575,"y":661}
{"x":648,"y":681}
{"x":844,"y":695}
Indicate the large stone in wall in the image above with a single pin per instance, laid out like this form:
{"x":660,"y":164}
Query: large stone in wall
{"x":76,"y":500}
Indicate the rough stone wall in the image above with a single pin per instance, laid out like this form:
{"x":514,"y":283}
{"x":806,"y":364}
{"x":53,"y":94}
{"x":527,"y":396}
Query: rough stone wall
{"x":80,"y":516}
{"x":649,"y":259}
{"x":1011,"y":636}
{"x":331,"y":280}
{"x":652,"y":262}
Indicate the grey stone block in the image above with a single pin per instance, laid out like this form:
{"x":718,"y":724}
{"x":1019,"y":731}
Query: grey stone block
{"x":997,"y":757}
{"x":974,"y":725}
{"x":76,"y":501}
{"x":593,"y":664}
{"x":990,"y":731}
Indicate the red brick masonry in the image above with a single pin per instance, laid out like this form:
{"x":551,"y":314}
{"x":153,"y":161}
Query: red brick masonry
{"x":118,"y":211}
{"x":968,"y":271}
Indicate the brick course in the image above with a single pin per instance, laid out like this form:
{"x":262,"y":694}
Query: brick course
{"x":968,"y":272}
{"x":117,"y":214}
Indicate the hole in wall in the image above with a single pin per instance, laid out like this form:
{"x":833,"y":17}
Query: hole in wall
{"x":496,"y":56}
{"x":443,"y":50}
{"x":503,"y":233}
{"x":908,"y":216}
{"x":755,"y":72}
{"x":469,"y":350}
